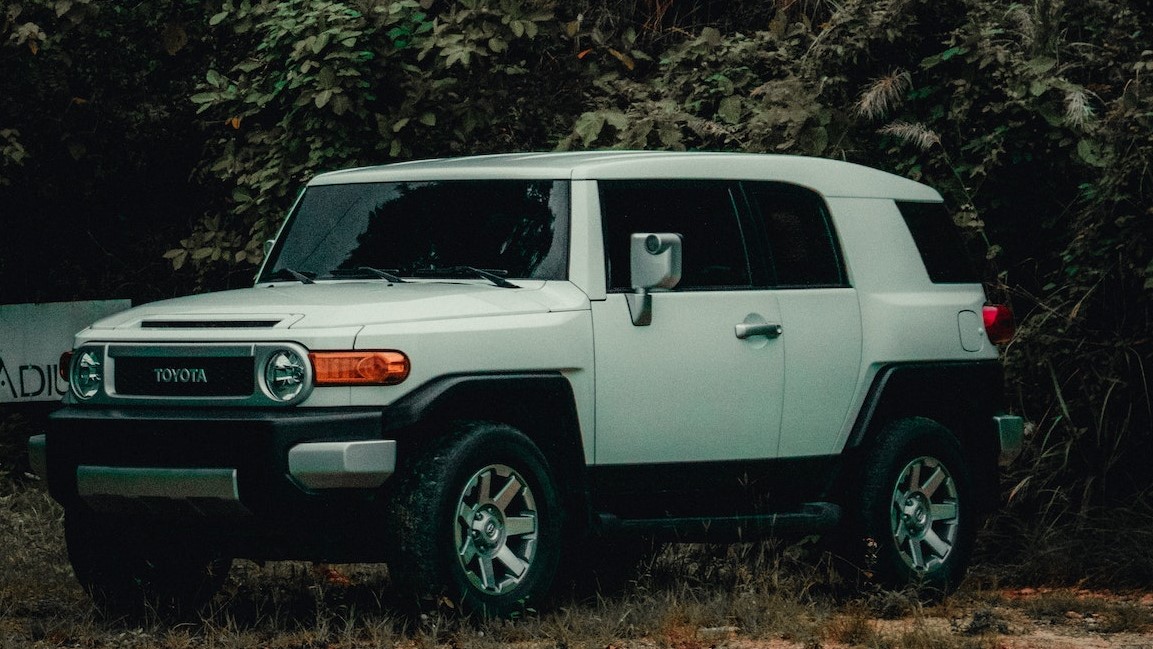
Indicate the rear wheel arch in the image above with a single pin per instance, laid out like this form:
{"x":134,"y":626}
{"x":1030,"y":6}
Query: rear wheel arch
{"x":960,"y":396}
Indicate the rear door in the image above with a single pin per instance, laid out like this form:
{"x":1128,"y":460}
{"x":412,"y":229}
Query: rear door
{"x":820,"y":316}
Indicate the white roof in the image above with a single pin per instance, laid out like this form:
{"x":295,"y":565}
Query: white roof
{"x":829,"y":177}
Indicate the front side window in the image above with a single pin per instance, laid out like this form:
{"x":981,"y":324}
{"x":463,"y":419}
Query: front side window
{"x":515,"y":228}
{"x":703,"y":212}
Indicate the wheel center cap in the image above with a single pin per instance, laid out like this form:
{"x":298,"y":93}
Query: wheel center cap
{"x":916,"y":514}
{"x":487,"y":530}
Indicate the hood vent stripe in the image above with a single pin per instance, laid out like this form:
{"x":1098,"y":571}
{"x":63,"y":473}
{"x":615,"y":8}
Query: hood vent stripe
{"x":209,"y":324}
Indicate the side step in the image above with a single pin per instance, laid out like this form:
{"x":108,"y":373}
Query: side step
{"x":812,"y":518}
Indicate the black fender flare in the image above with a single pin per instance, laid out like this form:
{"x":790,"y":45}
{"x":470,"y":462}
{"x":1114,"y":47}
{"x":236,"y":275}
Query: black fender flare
{"x":540,"y":404}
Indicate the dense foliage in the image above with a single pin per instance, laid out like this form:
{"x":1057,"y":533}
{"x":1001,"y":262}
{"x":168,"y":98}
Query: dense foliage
{"x":121,"y":124}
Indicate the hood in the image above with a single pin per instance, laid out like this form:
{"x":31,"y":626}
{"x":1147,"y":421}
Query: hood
{"x":345,"y":303}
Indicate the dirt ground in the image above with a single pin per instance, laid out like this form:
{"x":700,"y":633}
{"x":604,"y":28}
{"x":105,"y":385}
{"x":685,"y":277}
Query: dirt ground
{"x":750,"y":596}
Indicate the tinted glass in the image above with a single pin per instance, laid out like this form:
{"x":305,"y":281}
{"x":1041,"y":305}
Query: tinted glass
{"x":802,"y":247}
{"x":942,"y":249}
{"x":702,"y":212}
{"x":516,"y":226}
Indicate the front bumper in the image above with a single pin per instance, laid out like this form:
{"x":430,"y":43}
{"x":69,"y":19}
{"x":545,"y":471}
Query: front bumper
{"x":273,"y":463}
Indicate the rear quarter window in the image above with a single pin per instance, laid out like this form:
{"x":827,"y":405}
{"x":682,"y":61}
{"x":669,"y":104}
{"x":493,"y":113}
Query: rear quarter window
{"x":947,"y":259}
{"x":802,"y":247}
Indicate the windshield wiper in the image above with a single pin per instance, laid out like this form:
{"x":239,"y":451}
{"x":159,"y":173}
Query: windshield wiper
{"x":491,"y":274}
{"x":361,"y":271}
{"x":297,"y":275}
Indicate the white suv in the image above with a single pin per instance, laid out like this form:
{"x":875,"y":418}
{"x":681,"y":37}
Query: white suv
{"x":469,"y":367}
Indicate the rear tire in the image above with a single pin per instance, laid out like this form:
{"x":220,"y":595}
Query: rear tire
{"x":477,"y":523}
{"x":917,"y":516}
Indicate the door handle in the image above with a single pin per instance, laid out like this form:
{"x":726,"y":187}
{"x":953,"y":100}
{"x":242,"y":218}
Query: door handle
{"x":768,"y":329}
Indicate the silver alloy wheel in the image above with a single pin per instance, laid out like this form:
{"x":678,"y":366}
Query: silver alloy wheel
{"x":496,"y":529}
{"x":924,"y":516}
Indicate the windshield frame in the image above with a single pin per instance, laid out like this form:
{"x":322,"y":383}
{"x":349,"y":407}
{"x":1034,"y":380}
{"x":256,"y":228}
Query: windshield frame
{"x":553,"y":264}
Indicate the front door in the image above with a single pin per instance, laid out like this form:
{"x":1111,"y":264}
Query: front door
{"x":694,"y":385}
{"x":686,"y":388}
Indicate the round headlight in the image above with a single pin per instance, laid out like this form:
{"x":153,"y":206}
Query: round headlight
{"x":284,"y":374}
{"x":87,"y":373}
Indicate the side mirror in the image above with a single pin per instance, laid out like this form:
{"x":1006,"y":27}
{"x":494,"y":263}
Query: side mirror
{"x":268,"y":243}
{"x":654,"y":263}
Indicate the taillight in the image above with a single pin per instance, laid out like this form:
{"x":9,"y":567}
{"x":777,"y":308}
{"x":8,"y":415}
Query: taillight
{"x":359,"y":368}
{"x":65,"y":364}
{"x":999,"y":325}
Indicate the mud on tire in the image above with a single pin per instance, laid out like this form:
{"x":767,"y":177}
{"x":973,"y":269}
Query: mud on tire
{"x":477,"y":523}
{"x":916,"y":520}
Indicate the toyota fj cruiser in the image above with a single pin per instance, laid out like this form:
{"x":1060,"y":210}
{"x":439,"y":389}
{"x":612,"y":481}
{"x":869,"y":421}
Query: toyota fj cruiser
{"x":466,"y":368}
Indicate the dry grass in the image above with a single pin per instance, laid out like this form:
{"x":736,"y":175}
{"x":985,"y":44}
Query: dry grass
{"x":688,"y":597}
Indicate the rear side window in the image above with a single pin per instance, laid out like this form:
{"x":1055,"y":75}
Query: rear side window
{"x":942,"y":249}
{"x":703,"y":212}
{"x":802,"y":248}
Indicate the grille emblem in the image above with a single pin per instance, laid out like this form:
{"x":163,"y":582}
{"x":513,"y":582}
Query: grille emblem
{"x":180,"y":375}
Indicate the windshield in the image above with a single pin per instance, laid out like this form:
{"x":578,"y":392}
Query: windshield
{"x":510,"y":228}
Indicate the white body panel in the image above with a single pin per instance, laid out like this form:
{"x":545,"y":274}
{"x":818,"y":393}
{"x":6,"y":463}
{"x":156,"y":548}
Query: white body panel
{"x":822,"y":342}
{"x":684,"y":388}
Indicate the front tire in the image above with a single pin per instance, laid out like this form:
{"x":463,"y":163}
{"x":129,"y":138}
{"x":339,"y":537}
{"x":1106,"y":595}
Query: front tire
{"x":130,"y":574}
{"x":477,"y":522}
{"x":917,"y":516}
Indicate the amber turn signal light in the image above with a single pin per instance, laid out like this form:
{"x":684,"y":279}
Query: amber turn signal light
{"x":359,"y":368}
{"x":65,"y":365}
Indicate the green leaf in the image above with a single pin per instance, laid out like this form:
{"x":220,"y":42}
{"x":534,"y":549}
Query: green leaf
{"x":711,"y":35}
{"x":1041,"y":64}
{"x":953,"y":51}
{"x":320,"y":43}
{"x":216,"y":19}
{"x":428,"y":119}
{"x":816,"y":140}
{"x":588,"y":126}
{"x":670,"y":136}
{"x":730,"y":109}
{"x":1090,"y":153}
{"x":616,"y":119}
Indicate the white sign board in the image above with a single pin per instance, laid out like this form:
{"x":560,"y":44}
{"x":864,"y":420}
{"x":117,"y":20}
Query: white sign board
{"x":32,"y":337}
